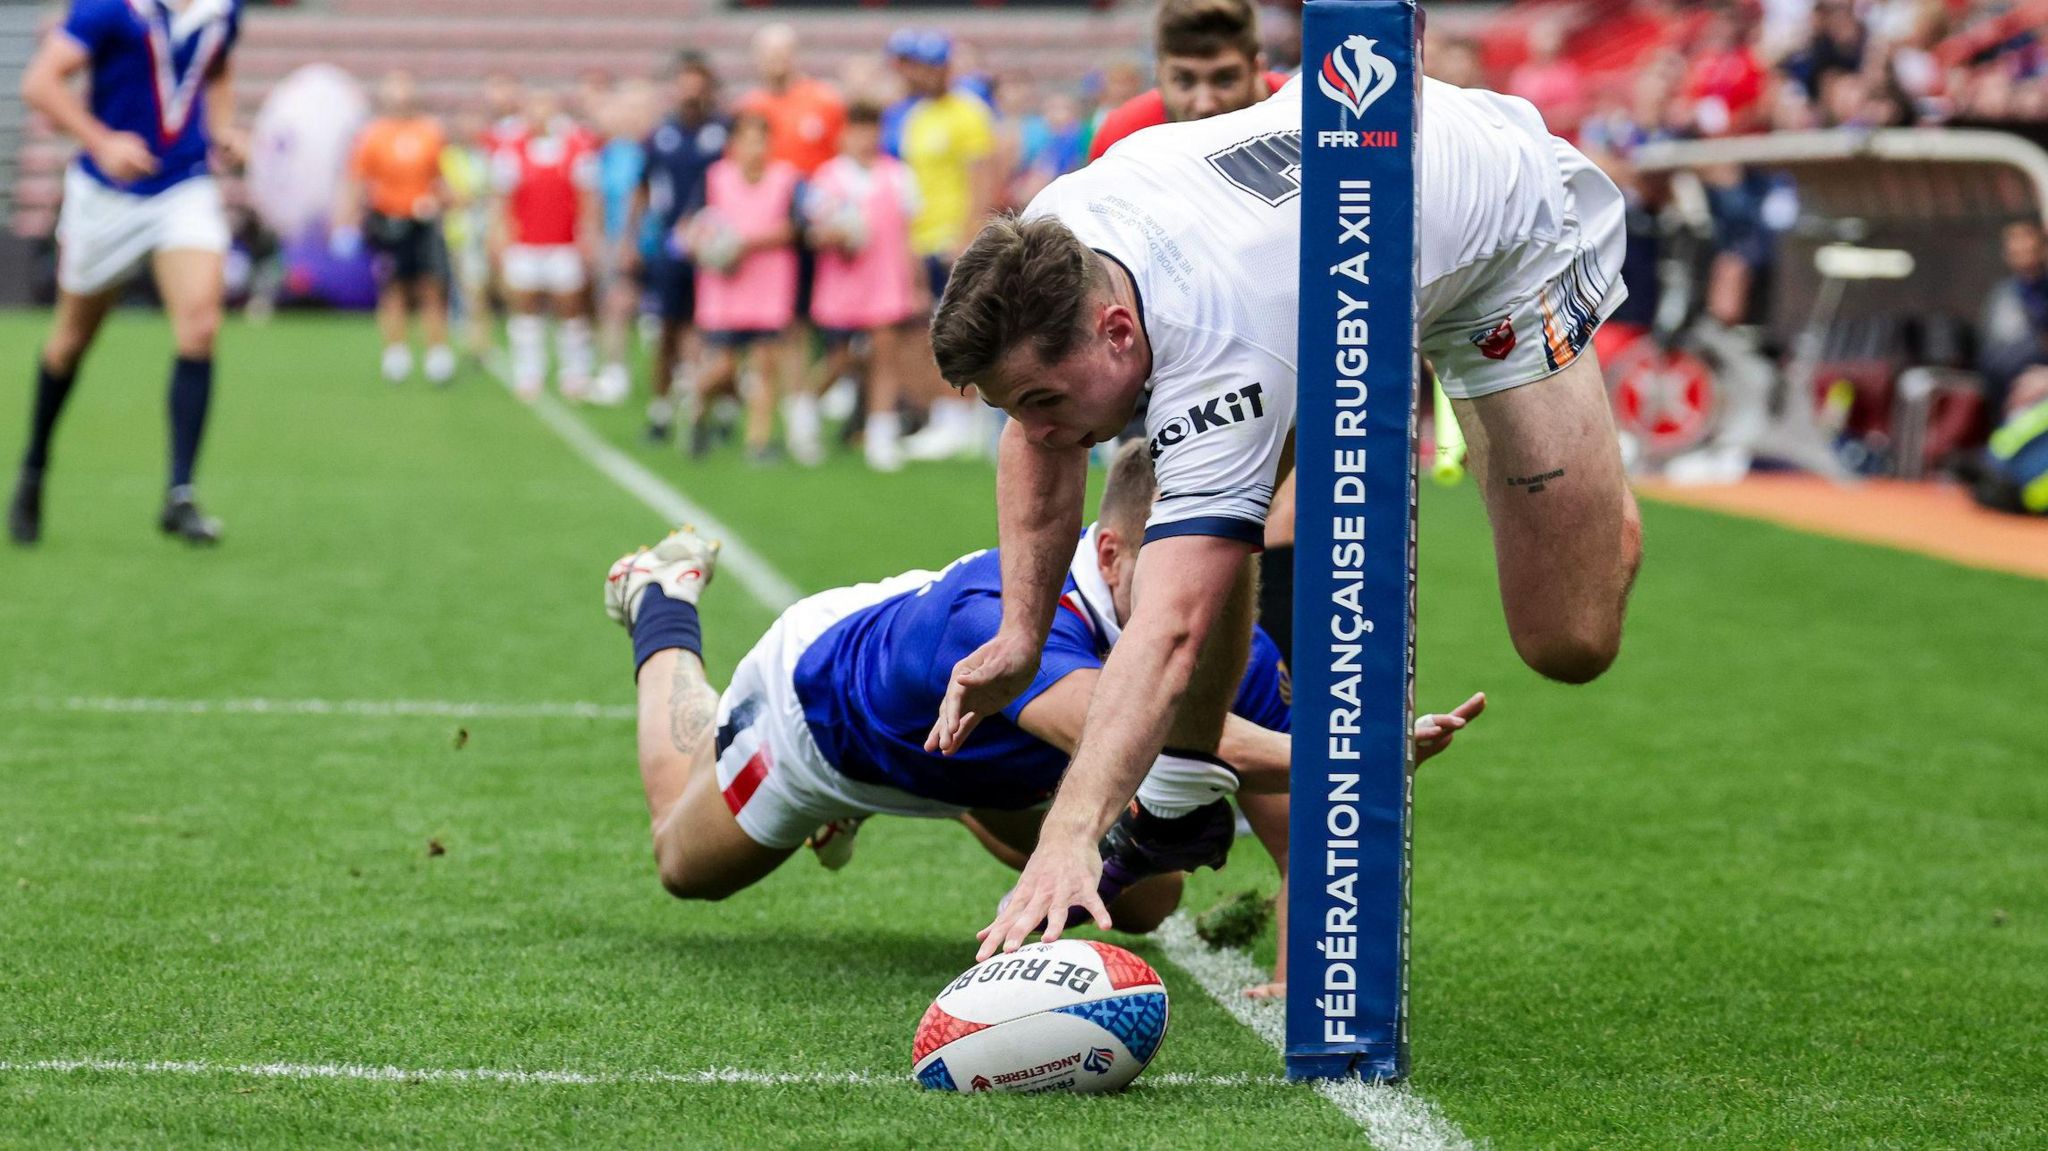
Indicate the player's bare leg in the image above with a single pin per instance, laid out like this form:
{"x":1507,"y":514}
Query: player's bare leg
{"x":698,"y":845}
{"x":190,"y":282}
{"x":77,"y":321}
{"x":392,"y":306}
{"x":431,"y":297}
{"x":1566,"y":534}
{"x":572,"y":344}
{"x":699,"y":848}
{"x":765,"y":362}
{"x":719,"y":376}
{"x":882,"y":439}
{"x":526,"y":334}
{"x":802,"y":426}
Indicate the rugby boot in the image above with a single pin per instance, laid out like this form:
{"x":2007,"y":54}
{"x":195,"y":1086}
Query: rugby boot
{"x":182,"y":518}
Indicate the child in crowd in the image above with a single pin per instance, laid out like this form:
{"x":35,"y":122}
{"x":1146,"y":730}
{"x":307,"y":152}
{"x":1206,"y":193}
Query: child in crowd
{"x":744,"y":245}
{"x":857,"y":213}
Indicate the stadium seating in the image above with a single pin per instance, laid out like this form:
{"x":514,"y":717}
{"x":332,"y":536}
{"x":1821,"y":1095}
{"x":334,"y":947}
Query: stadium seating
{"x":451,"y":44}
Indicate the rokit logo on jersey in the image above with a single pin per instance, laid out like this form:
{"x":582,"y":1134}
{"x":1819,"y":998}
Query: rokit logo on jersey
{"x":1356,"y":76}
{"x":1246,"y":403}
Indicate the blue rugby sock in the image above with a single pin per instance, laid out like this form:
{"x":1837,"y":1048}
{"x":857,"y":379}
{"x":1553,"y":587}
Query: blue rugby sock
{"x":664,"y":623}
{"x":191,"y":392}
{"x":52,"y":390}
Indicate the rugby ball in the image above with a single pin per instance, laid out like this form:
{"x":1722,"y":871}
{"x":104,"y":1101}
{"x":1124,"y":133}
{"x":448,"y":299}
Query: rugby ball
{"x":1072,"y":1015}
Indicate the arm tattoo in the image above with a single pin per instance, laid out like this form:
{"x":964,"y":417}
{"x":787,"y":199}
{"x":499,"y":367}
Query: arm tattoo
{"x":693,"y":707}
{"x":1535,"y":483}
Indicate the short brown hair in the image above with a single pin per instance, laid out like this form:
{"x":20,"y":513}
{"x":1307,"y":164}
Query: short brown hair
{"x":1203,"y":28}
{"x":1128,"y":493}
{"x":1020,"y":282}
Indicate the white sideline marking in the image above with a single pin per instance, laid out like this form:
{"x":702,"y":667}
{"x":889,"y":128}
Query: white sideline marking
{"x":376,"y":1074}
{"x":769,"y":587}
{"x":1394,"y":1118}
{"x":434,"y":708}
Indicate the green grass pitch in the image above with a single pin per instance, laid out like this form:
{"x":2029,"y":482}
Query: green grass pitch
{"x":1778,"y":880}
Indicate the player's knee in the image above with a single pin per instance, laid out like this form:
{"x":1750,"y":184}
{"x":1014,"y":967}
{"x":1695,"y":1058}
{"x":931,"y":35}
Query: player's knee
{"x":194,"y":329}
{"x":1572,"y":654}
{"x":63,"y":351}
{"x":684,"y":881}
{"x":1141,"y":921}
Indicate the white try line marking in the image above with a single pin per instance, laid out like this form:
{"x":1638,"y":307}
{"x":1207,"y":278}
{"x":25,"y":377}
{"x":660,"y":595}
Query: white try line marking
{"x":712,"y":1076}
{"x":1394,"y":1118}
{"x":769,"y":587}
{"x":430,"y":708}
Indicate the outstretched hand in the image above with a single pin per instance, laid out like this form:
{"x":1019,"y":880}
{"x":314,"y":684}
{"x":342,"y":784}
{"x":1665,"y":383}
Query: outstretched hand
{"x":983,"y":684}
{"x":1058,"y":877}
{"x":1433,"y":732}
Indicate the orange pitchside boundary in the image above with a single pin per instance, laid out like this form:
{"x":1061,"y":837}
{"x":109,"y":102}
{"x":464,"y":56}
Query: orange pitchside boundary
{"x":1933,"y":519}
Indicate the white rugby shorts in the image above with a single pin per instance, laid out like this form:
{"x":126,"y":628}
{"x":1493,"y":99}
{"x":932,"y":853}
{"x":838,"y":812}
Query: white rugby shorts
{"x":1528,"y":313}
{"x":775,"y":780}
{"x":104,"y":235}
{"x":553,"y":268}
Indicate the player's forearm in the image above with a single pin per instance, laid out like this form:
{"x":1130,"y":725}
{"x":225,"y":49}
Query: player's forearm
{"x":46,"y":88}
{"x":1260,"y":757}
{"x":220,"y":102}
{"x":1135,"y":700}
{"x":1039,"y":494}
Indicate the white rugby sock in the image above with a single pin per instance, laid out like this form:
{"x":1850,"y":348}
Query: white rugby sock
{"x":801,"y":421}
{"x":528,"y":337}
{"x":572,"y":345}
{"x":1178,"y":784}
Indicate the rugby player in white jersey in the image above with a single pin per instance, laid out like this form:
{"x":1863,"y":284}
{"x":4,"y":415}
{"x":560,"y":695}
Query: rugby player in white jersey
{"x":1170,"y":268}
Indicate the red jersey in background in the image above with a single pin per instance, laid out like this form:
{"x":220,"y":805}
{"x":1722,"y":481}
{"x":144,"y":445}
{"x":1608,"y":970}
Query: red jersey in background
{"x":544,"y":178}
{"x":1144,"y":111}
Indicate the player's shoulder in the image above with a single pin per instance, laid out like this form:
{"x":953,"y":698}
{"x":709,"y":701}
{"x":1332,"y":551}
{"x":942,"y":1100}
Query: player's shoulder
{"x":89,"y":20}
{"x":1144,"y":110}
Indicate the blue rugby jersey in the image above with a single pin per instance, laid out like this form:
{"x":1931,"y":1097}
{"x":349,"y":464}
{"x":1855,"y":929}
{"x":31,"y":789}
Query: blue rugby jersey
{"x":872,"y":684}
{"x":150,"y":64}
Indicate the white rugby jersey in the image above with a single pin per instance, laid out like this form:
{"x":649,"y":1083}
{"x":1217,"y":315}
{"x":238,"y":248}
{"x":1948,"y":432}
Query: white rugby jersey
{"x":1206,"y":217}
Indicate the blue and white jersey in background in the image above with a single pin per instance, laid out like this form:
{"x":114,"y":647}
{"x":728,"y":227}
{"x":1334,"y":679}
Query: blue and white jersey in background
{"x":150,"y":64}
{"x":872,"y":684}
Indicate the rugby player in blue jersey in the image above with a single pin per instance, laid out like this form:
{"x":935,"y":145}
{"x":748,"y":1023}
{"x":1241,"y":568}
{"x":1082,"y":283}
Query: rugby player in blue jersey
{"x":825,"y":720}
{"x":159,"y":113}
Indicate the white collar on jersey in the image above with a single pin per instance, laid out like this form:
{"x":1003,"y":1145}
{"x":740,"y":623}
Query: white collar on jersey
{"x":1092,"y":591}
{"x":177,"y":95}
{"x":186,"y":20}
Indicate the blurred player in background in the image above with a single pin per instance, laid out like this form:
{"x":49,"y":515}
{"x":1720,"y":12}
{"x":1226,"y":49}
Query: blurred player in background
{"x":393,"y":197}
{"x":626,"y":119}
{"x":857,"y":211}
{"x":804,"y":116}
{"x":744,"y":246}
{"x":465,"y":228}
{"x":158,"y":112}
{"x":547,"y":184}
{"x":677,"y":156}
{"x":1209,"y":63}
{"x":505,"y":103}
{"x":949,"y":144}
